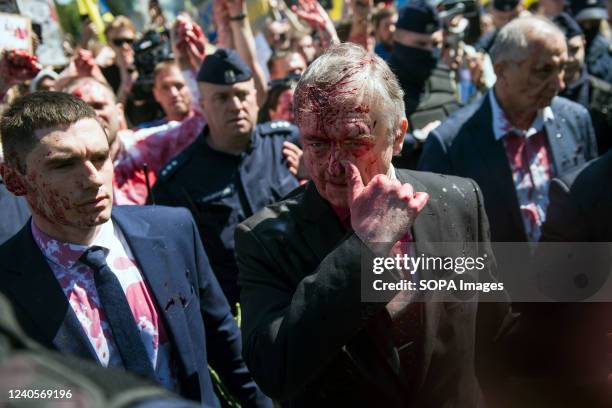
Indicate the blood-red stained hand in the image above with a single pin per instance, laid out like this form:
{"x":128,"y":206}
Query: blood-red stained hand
{"x":17,"y":66}
{"x":191,"y":42}
{"x":222,"y":23}
{"x":383,"y":210}
{"x":311,"y":12}
{"x":84,"y":63}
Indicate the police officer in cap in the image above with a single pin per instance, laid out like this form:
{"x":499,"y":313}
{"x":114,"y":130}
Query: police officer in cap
{"x":590,"y":14}
{"x":429,"y":90}
{"x":591,"y":92}
{"x":233,"y":169}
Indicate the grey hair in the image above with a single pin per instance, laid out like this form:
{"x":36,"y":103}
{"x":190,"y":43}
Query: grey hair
{"x":346,"y":74}
{"x":512,"y":41}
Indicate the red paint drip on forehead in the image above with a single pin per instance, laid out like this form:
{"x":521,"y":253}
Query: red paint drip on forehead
{"x":324,"y":99}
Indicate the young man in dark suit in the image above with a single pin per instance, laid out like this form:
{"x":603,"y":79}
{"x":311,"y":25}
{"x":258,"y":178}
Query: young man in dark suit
{"x":309,"y":338}
{"x":130,"y":289}
{"x":519,"y":136}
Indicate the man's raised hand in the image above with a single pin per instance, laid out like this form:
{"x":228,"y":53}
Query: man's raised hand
{"x":384,"y":210}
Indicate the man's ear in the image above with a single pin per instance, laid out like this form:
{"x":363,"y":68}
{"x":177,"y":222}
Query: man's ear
{"x":14,"y":180}
{"x":398,"y":139}
{"x":500,"y":72}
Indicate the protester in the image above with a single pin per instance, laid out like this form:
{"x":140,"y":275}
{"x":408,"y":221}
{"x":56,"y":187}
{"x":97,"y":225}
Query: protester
{"x":171,"y":91}
{"x":121,"y":34}
{"x":519,"y":135}
{"x":383,"y":22}
{"x":233,"y":168}
{"x":137,"y":156}
{"x":108,"y":293}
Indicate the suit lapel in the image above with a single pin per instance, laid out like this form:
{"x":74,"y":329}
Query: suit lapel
{"x":427,"y":234}
{"x":36,"y":290}
{"x":155,"y":263}
{"x":562,"y":147}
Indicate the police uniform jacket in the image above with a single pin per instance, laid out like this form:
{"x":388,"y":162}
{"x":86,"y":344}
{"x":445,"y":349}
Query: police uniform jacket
{"x":222,"y":190}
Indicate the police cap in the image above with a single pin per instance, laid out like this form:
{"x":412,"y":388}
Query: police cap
{"x":418,"y":16}
{"x":589,"y":9}
{"x":568,"y":25}
{"x":224,"y":67}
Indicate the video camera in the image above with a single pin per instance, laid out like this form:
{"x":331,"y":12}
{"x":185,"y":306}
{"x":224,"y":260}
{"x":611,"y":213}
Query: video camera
{"x":468,"y":30}
{"x":153,"y":48}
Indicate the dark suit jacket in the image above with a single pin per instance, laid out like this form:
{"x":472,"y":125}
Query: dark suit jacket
{"x":308,"y":337}
{"x":563,"y":346}
{"x":14,"y":213}
{"x":581,"y":204}
{"x":464,"y":145}
{"x":169,"y":252}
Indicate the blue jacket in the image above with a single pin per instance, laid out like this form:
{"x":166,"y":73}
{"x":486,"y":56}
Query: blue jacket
{"x":464,"y":145}
{"x":168,"y":250}
{"x":221,"y":190}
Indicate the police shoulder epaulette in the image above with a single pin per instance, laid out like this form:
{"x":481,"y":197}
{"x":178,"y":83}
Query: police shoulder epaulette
{"x":175,"y":163}
{"x":276,"y":126}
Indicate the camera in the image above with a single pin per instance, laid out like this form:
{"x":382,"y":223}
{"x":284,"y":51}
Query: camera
{"x":153,"y":48}
{"x":468,"y":29}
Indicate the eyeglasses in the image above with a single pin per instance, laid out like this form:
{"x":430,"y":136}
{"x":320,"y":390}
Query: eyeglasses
{"x":286,"y":81}
{"x":120,"y":41}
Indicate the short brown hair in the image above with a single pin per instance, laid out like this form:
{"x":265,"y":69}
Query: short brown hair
{"x":163,"y":66}
{"x":29,"y":113}
{"x":118,"y":23}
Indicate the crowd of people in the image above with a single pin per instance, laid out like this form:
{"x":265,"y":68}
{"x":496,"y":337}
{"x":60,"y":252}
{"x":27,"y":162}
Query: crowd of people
{"x":195,"y":209}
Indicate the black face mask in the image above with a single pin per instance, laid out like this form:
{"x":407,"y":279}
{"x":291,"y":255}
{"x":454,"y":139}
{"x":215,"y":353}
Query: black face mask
{"x":590,"y":33}
{"x":412,"y":65}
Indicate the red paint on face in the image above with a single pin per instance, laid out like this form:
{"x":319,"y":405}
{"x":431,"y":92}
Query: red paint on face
{"x":102,"y":100}
{"x":68,"y":179}
{"x":336,"y":128}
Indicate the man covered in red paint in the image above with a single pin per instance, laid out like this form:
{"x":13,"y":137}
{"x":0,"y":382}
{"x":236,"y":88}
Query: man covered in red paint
{"x":309,"y":338}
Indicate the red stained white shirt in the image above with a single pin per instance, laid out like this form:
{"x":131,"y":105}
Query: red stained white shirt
{"x":77,"y":282}
{"x":530,"y":160}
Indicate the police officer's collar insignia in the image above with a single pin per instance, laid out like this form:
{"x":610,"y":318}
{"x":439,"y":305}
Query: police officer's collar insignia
{"x":229,"y":76}
{"x":226,"y":192}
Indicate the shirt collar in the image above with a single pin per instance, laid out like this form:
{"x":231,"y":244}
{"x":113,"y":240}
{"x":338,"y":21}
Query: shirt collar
{"x":501,"y":125}
{"x":66,"y":254}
